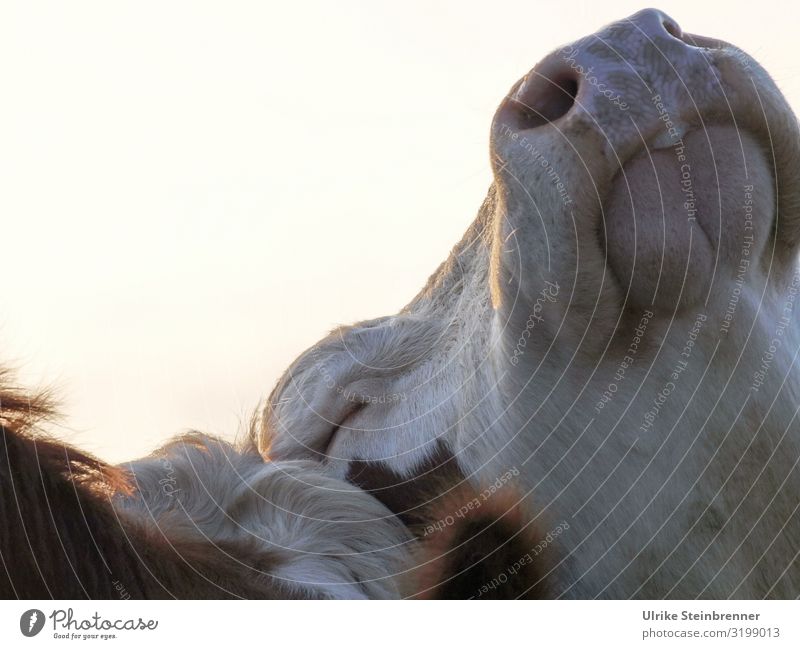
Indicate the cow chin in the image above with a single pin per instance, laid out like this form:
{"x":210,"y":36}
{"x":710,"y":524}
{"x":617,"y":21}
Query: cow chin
{"x":679,"y":218}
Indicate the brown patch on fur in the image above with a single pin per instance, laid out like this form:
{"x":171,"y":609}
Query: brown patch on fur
{"x":410,"y":499}
{"x":471,"y":545}
{"x":480,"y":548}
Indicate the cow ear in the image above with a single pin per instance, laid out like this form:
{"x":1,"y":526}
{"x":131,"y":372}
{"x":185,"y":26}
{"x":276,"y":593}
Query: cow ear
{"x":334,"y":378}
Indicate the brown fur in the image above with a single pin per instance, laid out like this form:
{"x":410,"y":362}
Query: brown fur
{"x":464,"y":552}
{"x":61,"y":537}
{"x":481,"y":554}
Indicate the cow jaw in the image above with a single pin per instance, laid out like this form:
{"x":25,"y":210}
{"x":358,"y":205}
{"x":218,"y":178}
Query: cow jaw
{"x":676,"y":216}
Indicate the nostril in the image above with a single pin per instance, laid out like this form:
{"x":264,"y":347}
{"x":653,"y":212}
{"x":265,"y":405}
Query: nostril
{"x":543,"y":100}
{"x":673,"y":29}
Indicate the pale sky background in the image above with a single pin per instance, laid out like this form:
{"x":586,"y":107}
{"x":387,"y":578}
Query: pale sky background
{"x":193,"y":193}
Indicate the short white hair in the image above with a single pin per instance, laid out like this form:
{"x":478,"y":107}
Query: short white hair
{"x":325,"y":537}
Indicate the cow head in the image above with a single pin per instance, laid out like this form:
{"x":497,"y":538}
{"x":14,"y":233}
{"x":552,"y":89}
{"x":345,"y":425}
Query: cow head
{"x":634,"y":252}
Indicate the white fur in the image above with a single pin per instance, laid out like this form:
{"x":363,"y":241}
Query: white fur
{"x":704,"y":501}
{"x":328,"y":538}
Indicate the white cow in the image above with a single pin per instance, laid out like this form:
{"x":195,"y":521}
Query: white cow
{"x":613,"y":342}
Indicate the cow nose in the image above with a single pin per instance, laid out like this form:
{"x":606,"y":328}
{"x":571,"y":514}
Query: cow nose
{"x":604,"y":67}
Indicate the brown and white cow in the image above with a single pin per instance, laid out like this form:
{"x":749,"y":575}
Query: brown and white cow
{"x":613,"y":341}
{"x":594,"y":396}
{"x":200,"y":518}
